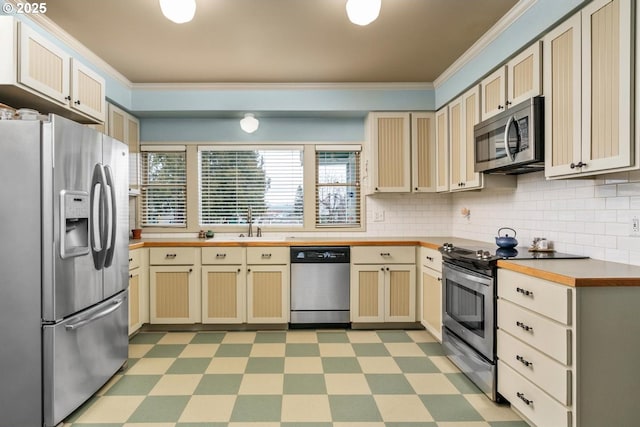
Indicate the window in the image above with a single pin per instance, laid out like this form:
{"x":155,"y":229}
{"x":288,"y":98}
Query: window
{"x":269,"y":180}
{"x":164,"y":186}
{"x":338,"y":186}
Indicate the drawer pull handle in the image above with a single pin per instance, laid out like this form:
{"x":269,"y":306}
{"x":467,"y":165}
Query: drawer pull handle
{"x":429,"y":258}
{"x":524,"y":361}
{"x":524,"y":292}
{"x":525,"y":327}
{"x":266,"y":255}
{"x":221,"y":255}
{"x":528,"y":402}
{"x":385,"y":254}
{"x":171,"y":256}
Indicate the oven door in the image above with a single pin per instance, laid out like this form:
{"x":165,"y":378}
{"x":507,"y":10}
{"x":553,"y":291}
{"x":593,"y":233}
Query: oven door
{"x":468,"y":308}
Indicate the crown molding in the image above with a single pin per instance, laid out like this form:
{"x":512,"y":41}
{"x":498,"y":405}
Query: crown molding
{"x":52,"y":28}
{"x":487,"y":38}
{"x":283,"y":86}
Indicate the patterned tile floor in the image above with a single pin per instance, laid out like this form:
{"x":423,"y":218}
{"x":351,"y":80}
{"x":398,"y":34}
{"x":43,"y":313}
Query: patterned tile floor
{"x":298,"y":378}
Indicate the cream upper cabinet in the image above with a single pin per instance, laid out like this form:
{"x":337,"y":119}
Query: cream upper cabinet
{"x":424,"y":157}
{"x":87,"y":91}
{"x":442,"y":149}
{"x":512,"y":83}
{"x":126,"y":128}
{"x":588,"y":88}
{"x":388,"y":157}
{"x":464,"y":114}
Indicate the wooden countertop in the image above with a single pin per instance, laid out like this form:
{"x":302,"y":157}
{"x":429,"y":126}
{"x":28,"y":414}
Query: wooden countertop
{"x":569,"y":272}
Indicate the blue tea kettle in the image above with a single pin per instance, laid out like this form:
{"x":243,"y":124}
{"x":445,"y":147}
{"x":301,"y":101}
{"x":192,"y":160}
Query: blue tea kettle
{"x":505,"y":241}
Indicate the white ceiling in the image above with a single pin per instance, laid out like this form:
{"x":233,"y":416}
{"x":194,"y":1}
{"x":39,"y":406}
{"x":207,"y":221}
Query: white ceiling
{"x":278,"y":41}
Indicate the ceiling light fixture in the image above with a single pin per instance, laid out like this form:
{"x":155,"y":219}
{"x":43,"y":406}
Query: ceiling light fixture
{"x":178,"y":11}
{"x":249,"y":123}
{"x":363,"y":12}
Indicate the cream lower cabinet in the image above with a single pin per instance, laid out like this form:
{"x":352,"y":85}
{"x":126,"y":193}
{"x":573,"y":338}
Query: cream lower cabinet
{"x":268,"y":285}
{"x":135,"y":317}
{"x":588,"y":86}
{"x":430,"y":291}
{"x":383,"y":291}
{"x":174,"y":284}
{"x":224,"y":285}
{"x":567,"y":356}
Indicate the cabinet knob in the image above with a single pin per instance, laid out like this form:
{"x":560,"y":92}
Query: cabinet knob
{"x":507,"y":103}
{"x":131,"y":276}
{"x":439,"y":279}
{"x":500,"y":107}
{"x":68,"y":98}
{"x":77,"y":102}
{"x":190,"y":270}
{"x":130,"y":259}
{"x":416,"y":188}
{"x":248,"y":270}
{"x":239,"y":270}
{"x":376,"y":188}
{"x":387,"y":268}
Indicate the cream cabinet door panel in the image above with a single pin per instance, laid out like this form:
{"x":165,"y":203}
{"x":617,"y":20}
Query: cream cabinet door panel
{"x":87,"y":91}
{"x":423,"y":152}
{"x":390,"y":147}
{"x":367,"y":293}
{"x":135,"y":315}
{"x":223,"y":294}
{"x":494,"y":93}
{"x":174,"y":296}
{"x":471,"y":117}
{"x":268,"y":294}
{"x":431,"y":304}
{"x":524,"y":73}
{"x":400,"y":293}
{"x":442,"y":150}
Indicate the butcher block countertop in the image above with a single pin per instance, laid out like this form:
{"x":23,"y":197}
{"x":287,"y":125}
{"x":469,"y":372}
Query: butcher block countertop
{"x":569,"y":272}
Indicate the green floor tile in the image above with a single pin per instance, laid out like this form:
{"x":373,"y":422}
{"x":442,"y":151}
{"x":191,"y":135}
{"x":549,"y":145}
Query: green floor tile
{"x":354,"y":409}
{"x":508,"y":424}
{"x":189,"y":365}
{"x":159,"y":409}
{"x":450,"y":408}
{"x":304,"y":384}
{"x":341,"y":365}
{"x":302,"y":350}
{"x":146,"y":337}
{"x":394,"y":336}
{"x":270,"y":337}
{"x":389,"y":384}
{"x":233,"y":350}
{"x":265,"y":365}
{"x":425,"y":424}
{"x":219,"y":384}
{"x":431,"y":348}
{"x":463,"y":384}
{"x":370,"y":350}
{"x":165,"y":350}
{"x":133,"y":385}
{"x":298,"y":424}
{"x":416,"y":365}
{"x":333,"y":337}
{"x":253,"y":408}
{"x":130,"y":364}
{"x":202,"y":425}
{"x":208,"y":338}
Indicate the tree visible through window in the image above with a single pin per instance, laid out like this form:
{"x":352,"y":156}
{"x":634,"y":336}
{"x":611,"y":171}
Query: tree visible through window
{"x":164,"y":182}
{"x":267,"y":180}
{"x":337,"y":188}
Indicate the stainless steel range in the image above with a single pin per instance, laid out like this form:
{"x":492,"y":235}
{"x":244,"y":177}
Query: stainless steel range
{"x":469,"y":308}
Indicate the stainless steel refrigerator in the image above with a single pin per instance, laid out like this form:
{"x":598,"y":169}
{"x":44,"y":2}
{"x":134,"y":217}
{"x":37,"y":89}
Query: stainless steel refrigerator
{"x":63,"y":267}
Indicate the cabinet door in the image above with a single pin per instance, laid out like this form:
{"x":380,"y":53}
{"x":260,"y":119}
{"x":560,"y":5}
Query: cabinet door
{"x":523,"y":75}
{"x":135,"y":315}
{"x":87,"y":91}
{"x":223,"y":294}
{"x":390,"y":144}
{"x":493,"y":89}
{"x":471,"y":117}
{"x":442,"y":150}
{"x":174,"y":294}
{"x":456,"y":159}
{"x":606,"y":85}
{"x":43,"y":66}
{"x":267,"y":293}
{"x":431,"y":317}
{"x":367,"y":293}
{"x":117,"y":123}
{"x":133,"y":141}
{"x":562,"y":89}
{"x":423,"y":152}
{"x":400,"y":293}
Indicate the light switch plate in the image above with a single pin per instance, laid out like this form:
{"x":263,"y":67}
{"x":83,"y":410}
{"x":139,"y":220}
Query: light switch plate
{"x":634,"y":224}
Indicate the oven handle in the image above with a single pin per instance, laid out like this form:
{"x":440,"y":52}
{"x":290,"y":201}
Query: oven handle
{"x":484,"y":281}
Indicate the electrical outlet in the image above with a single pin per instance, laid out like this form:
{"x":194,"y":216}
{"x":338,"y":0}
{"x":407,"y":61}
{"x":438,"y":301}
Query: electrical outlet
{"x":378,"y":215}
{"x":634,"y":225}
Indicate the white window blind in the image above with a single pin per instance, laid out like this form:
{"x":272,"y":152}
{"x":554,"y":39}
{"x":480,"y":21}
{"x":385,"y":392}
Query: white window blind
{"x":338,"y":186}
{"x":269,"y":180}
{"x":164,"y":187}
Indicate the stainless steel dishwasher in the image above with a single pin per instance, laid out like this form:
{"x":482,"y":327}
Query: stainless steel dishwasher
{"x":320,"y":285}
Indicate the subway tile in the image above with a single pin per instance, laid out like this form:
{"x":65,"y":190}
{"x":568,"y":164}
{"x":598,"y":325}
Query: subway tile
{"x":617,"y":203}
{"x":630,"y":189}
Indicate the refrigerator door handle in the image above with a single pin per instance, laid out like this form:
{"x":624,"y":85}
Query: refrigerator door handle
{"x":107,"y":311}
{"x":98,"y":234}
{"x":112,"y":218}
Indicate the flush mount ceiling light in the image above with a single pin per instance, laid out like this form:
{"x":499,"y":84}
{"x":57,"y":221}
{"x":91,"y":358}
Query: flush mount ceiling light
{"x":178,"y":11}
{"x":249,"y":123}
{"x":363,"y":12}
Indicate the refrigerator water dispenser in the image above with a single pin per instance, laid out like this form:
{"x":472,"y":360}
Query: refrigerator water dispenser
{"x":74,"y":224}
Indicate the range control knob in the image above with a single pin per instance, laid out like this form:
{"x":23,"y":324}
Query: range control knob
{"x":479,"y":253}
{"x":486,"y":255}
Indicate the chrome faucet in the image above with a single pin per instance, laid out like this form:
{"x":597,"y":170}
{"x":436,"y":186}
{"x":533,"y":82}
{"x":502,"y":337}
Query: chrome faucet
{"x":249,"y":220}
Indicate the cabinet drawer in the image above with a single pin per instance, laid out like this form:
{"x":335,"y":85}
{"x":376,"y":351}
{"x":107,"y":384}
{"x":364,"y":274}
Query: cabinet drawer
{"x":544,"y":297}
{"x":267,"y":255}
{"x":383,"y":255}
{"x":223,"y":256}
{"x":134,"y":259}
{"x":541,"y":409}
{"x":545,"y":335}
{"x":543,"y":371}
{"x":431,"y":258}
{"x":172,"y":256}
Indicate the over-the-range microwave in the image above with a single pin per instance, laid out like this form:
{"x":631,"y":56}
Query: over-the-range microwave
{"x":512,"y":142}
